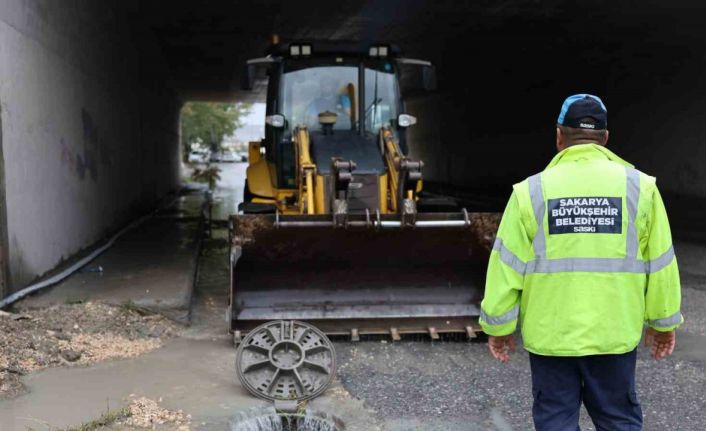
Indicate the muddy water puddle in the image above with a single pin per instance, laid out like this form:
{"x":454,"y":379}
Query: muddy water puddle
{"x":194,"y":375}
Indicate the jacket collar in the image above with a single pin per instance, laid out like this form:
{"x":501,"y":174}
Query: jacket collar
{"x":586,"y":152}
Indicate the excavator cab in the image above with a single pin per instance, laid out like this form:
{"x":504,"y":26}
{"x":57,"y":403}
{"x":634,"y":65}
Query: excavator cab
{"x":334,"y":229}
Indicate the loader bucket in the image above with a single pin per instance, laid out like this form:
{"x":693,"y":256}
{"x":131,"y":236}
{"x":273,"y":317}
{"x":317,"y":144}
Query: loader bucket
{"x":363,"y":278}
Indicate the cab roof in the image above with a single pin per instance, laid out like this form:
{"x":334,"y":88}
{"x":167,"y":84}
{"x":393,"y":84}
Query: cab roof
{"x":329,"y":48}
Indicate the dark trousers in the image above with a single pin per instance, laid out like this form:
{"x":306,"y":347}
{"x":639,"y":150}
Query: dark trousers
{"x":605,"y":384}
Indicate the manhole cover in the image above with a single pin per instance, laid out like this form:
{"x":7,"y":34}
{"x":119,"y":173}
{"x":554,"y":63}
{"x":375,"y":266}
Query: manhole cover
{"x":286,"y":360}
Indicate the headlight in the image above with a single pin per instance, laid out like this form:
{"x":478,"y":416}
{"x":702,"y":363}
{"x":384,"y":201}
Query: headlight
{"x":276,"y":120}
{"x":379,"y":51}
{"x":406,"y":120}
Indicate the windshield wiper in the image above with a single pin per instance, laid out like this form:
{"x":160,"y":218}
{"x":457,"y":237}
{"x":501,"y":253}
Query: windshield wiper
{"x":372,"y":105}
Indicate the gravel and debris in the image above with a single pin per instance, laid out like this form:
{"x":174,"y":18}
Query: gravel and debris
{"x":693,"y":307}
{"x":147,"y":413}
{"x":142,"y":413}
{"x":74,"y":334}
{"x":428,"y":380}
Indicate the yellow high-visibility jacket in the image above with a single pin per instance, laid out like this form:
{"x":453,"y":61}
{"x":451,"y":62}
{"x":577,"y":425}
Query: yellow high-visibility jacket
{"x":583,"y":257}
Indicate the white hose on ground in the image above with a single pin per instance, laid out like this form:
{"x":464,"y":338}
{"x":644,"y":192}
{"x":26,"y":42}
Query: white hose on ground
{"x":11,"y":299}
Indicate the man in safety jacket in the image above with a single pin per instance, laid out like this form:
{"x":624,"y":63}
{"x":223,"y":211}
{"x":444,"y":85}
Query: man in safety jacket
{"x":583,"y":258}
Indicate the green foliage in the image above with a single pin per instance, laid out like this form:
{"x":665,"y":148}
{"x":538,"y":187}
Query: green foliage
{"x":207,"y":123}
{"x":210,"y":174}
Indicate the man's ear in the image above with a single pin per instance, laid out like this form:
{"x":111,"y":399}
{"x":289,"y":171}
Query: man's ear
{"x":560,"y":146}
{"x":607,"y":135}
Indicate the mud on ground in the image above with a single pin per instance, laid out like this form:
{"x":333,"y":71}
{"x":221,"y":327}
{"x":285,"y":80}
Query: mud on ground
{"x":145,"y":413}
{"x":74,"y":334}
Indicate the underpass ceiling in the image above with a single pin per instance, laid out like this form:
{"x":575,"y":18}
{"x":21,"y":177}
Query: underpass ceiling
{"x":204,"y":44}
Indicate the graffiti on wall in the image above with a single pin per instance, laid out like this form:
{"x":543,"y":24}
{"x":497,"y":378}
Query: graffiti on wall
{"x":86,"y":161}
{"x":92,"y":152}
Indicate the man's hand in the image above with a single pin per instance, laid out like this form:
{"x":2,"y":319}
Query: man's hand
{"x":662,"y":343}
{"x":500,"y":346}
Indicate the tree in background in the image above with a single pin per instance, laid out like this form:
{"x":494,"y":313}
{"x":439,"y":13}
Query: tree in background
{"x":207,"y":123}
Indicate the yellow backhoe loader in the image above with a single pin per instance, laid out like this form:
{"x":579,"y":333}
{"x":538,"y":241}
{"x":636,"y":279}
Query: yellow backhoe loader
{"x":334,"y":228}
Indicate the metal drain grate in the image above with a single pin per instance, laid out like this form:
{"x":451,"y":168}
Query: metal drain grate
{"x":286,"y":360}
{"x":267,"y":419}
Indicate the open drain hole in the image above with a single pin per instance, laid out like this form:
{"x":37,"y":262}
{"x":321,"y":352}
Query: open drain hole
{"x":267,"y":419}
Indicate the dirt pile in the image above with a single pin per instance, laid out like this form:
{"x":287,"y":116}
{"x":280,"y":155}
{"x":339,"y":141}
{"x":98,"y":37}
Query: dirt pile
{"x":74,"y":334}
{"x":147,"y":413}
{"x":484,"y":227}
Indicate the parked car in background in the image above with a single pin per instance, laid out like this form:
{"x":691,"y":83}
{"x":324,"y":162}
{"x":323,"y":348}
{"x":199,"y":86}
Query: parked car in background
{"x":215,"y":157}
{"x":229,"y":157}
{"x":242,"y":156}
{"x":198,"y":156}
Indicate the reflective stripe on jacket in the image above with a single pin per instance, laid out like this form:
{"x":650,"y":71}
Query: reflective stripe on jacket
{"x":583,"y":257}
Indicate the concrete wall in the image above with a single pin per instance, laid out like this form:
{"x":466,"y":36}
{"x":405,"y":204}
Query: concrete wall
{"x":86,"y":146}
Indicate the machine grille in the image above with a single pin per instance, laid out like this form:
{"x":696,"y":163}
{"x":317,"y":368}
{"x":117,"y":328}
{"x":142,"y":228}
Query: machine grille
{"x":363,"y":193}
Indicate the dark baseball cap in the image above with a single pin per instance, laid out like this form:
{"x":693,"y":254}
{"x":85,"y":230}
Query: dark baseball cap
{"x":583,"y":111}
